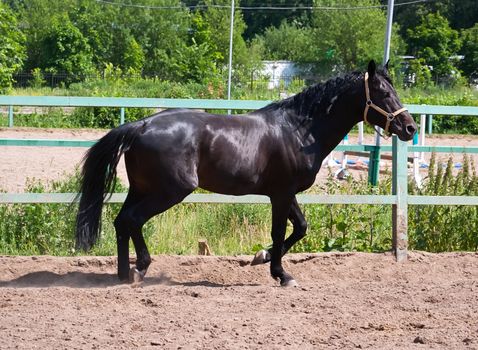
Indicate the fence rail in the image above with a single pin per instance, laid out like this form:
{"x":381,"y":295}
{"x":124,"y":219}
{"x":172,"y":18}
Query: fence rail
{"x":127,"y":102}
{"x":399,"y":199}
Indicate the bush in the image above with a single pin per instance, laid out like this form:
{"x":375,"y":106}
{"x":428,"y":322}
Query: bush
{"x":448,"y":97}
{"x":48,"y":228}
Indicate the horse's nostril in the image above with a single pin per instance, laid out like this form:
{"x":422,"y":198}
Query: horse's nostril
{"x":411,"y":129}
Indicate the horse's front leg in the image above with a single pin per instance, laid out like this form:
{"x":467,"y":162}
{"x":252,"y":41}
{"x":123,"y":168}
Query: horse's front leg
{"x":299,"y":229}
{"x":280,"y":212}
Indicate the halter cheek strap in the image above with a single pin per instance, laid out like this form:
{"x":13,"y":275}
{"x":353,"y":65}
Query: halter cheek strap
{"x":370,"y":104}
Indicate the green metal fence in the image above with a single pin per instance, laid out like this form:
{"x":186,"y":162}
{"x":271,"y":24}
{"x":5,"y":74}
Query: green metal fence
{"x":399,"y":199}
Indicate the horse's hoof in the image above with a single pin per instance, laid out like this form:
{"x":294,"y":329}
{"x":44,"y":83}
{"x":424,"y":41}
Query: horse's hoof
{"x":289,"y":283}
{"x":136,"y":276}
{"x":261,"y":257}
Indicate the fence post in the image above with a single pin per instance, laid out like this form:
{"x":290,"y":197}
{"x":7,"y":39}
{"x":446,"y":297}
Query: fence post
{"x":421,"y":142}
{"x":121,"y":115}
{"x":374,"y":166}
{"x":429,"y":124}
{"x":10,"y":116}
{"x":400,"y":208}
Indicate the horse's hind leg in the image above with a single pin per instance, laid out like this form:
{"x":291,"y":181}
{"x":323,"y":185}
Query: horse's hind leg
{"x":136,"y":211}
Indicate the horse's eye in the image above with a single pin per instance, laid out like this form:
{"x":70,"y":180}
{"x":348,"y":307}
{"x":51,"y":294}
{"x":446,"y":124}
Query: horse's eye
{"x":387,"y":94}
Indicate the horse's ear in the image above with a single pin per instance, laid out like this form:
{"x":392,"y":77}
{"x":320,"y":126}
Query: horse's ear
{"x":372,"y":67}
{"x":385,"y":67}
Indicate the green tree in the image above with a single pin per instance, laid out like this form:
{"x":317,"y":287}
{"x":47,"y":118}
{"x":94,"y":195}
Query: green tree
{"x":460,"y":14}
{"x":12,"y":50}
{"x":434,"y":41}
{"x":259,"y":21}
{"x":287,"y":42}
{"x":347,"y":39}
{"x":212,"y":27}
{"x":469,"y":49}
{"x":100,"y":25}
{"x":192,"y":63}
{"x":410,"y":16}
{"x":37,"y":17}
{"x":216,"y":22}
{"x":66,"y":50}
{"x":422,"y":72}
{"x":160,"y":33}
{"x":133,"y":55}
{"x":203,"y":33}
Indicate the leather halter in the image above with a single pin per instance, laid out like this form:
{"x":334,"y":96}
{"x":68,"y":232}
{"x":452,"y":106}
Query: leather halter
{"x":369,"y":103}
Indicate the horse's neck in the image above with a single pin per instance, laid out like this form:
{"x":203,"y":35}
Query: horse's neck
{"x":331,"y":130}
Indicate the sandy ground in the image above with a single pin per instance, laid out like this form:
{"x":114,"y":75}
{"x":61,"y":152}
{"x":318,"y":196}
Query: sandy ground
{"x":344,"y":301}
{"x":19,"y":164}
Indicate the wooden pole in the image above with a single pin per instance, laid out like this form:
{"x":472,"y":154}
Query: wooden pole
{"x":203,"y":247}
{"x":400,"y":209}
{"x":10,"y":116}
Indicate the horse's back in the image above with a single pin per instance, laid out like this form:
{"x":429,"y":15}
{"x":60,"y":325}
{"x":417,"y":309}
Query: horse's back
{"x":225,"y":154}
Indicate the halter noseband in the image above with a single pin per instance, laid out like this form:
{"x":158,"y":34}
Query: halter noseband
{"x":369,"y":103}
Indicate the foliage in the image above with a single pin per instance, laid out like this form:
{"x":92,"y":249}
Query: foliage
{"x":288,"y":41}
{"x":212,"y":27}
{"x":258,"y":22}
{"x":39,"y":20}
{"x":44,"y":228}
{"x":332,"y":41}
{"x":66,"y":50}
{"x":192,"y":64}
{"x":38,"y":80}
{"x":12,"y":50}
{"x":434,"y":41}
{"x":422,"y":73}
{"x":347,"y":40}
{"x":347,"y":227}
{"x":469,"y":49}
{"x":435,"y":95}
{"x":446,"y":228}
{"x":460,"y":13}
{"x":183,"y":43}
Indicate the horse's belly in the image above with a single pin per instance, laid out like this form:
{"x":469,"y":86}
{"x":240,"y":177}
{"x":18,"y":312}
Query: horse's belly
{"x":227,"y":182}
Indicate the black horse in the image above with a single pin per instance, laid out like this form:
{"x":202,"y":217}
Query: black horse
{"x":275,"y":151}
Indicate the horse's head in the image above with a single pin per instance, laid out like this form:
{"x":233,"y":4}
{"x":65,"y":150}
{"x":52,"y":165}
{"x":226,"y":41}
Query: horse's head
{"x":382,"y":106}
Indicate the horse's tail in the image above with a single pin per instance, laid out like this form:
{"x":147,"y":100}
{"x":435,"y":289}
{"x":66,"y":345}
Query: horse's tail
{"x":98,"y":177}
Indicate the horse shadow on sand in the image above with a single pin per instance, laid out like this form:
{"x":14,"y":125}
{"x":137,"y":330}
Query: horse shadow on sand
{"x":78,"y":279}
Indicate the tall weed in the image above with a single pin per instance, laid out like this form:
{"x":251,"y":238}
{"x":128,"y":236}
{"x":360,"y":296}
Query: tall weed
{"x":439,"y":228}
{"x":48,"y":228}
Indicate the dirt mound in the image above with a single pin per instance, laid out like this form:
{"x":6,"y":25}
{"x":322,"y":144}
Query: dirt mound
{"x":345,"y":301}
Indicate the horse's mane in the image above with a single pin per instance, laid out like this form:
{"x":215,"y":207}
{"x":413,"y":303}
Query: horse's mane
{"x":314,"y":101}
